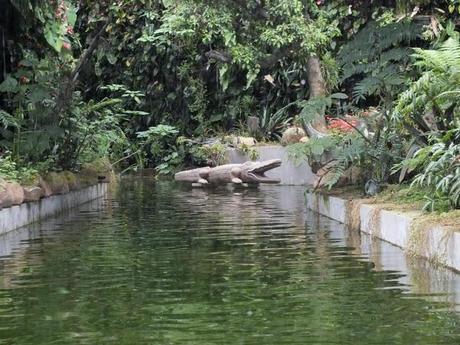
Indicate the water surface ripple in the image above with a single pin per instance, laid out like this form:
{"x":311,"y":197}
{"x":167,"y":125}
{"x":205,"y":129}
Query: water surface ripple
{"x":159,"y":264}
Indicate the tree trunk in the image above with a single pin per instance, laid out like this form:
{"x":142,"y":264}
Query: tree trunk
{"x":402,"y":7}
{"x":317,"y":88}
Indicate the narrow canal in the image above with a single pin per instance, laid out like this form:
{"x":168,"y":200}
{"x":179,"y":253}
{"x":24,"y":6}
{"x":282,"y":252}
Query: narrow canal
{"x":158,"y":264}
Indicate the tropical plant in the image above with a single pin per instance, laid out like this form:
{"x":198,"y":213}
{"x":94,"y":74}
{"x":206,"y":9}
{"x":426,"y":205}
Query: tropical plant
{"x":376,"y":62}
{"x":438,"y":167}
{"x":161,"y":143}
{"x":10,"y":170}
{"x":209,"y":154}
{"x":272,"y":124}
{"x":368,"y":143}
{"x":431,"y":103}
{"x":428,"y":111}
{"x":206,"y":66}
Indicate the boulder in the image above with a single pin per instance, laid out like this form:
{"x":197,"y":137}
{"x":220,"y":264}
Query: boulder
{"x":97,"y":171}
{"x":239,"y":141}
{"x":253,"y":125}
{"x":6,"y":199}
{"x":46,"y":188}
{"x":72,"y":180}
{"x":304,"y":139}
{"x":86,"y":178}
{"x":292,"y":135}
{"x":57,"y":183}
{"x":32,"y":193}
{"x":16,"y":192}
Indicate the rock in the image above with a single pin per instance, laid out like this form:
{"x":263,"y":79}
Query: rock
{"x":11,"y":193}
{"x":72,"y":180}
{"x":292,"y":135}
{"x":304,"y":139}
{"x":355,"y":174}
{"x":32,"y":193}
{"x":246,"y":141}
{"x":372,"y":187}
{"x":87,"y":178}
{"x":57,"y":183}
{"x":6,"y":199}
{"x":46,"y":189}
{"x":97,"y":171}
{"x":16,"y":192}
{"x":253,"y":125}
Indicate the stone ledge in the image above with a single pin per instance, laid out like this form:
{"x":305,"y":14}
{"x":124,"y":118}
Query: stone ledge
{"x":436,"y":244}
{"x":21,"y":215}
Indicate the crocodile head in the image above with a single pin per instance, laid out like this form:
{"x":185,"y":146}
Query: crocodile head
{"x":254,"y":172}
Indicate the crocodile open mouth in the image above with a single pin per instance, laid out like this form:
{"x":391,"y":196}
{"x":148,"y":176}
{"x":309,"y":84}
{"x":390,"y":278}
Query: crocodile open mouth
{"x":257,"y":173}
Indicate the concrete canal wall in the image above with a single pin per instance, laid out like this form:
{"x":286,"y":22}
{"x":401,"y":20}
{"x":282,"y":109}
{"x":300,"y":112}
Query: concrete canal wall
{"x":21,"y":215}
{"x":435,"y":243}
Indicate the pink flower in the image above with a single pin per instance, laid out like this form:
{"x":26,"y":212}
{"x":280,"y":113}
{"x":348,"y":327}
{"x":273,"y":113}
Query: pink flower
{"x":66,"y":45}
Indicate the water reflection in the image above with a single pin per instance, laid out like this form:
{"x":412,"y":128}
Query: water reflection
{"x":161,"y":264}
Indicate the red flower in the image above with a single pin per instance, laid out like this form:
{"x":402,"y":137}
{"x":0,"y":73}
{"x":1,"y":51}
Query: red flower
{"x":342,"y":125}
{"x":70,"y":30}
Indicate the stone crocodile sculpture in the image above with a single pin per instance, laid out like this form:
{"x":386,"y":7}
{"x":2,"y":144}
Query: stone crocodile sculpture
{"x":249,"y":172}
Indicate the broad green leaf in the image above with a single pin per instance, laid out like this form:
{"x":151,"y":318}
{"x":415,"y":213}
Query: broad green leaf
{"x":223,"y":77}
{"x":37,"y":94}
{"x":111,"y":58}
{"x":53,"y":36}
{"x":9,"y":85}
{"x":71,"y":14}
{"x":339,"y":95}
{"x":317,"y":149}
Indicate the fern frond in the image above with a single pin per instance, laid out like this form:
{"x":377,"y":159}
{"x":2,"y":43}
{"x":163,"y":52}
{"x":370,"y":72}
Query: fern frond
{"x":312,"y":108}
{"x":8,"y":120}
{"x":366,"y":87}
{"x":377,"y":57}
{"x":443,"y":59}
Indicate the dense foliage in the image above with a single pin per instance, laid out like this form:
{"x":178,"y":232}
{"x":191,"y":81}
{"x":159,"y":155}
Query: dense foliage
{"x":144,"y":82}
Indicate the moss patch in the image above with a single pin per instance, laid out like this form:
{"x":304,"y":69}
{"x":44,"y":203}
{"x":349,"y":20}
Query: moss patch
{"x":99,"y":170}
{"x":71,"y":179}
{"x":99,"y":165}
{"x":57,"y":182}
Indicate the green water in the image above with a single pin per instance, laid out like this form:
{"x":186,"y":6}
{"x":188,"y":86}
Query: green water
{"x":167,"y":265}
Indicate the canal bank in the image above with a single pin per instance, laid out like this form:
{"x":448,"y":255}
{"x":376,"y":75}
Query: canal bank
{"x":24,"y":214}
{"x":405,"y":229}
